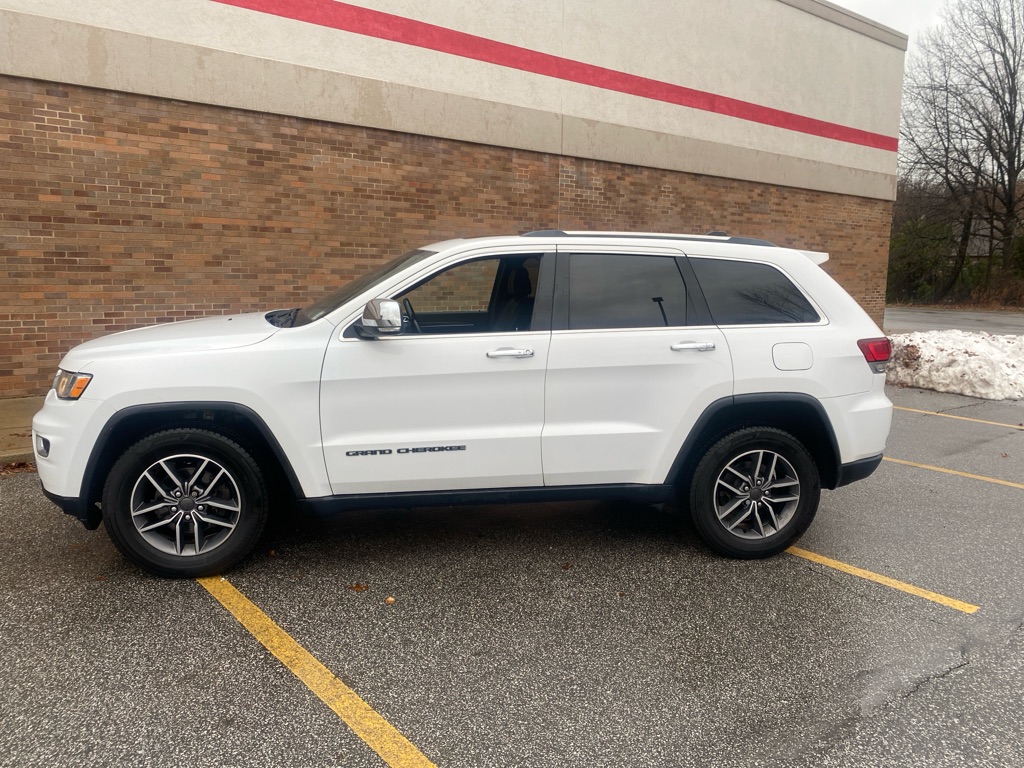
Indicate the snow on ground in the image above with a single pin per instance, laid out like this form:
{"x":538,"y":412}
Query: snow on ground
{"x":976,"y":364}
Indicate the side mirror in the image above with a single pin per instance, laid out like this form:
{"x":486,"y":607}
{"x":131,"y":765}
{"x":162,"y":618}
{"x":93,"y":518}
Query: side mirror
{"x":381,"y":317}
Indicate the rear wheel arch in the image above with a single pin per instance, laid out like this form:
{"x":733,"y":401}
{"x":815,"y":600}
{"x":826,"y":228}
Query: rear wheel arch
{"x":802,"y":416}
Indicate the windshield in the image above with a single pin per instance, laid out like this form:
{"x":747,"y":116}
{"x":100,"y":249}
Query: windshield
{"x":329,"y":303}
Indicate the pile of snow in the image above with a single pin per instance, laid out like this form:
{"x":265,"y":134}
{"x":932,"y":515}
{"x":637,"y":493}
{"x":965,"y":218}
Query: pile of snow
{"x":962,"y":362}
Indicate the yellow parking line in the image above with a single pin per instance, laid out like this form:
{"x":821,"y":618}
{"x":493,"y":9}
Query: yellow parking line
{"x":853,"y":570}
{"x":382,"y":737}
{"x":960,"y":418}
{"x":995,"y":480}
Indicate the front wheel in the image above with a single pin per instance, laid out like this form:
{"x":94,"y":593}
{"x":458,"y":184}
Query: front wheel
{"x":754,"y":492}
{"x":185,"y":503}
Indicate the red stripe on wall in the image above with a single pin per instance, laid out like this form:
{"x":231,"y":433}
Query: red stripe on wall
{"x":399,"y":29}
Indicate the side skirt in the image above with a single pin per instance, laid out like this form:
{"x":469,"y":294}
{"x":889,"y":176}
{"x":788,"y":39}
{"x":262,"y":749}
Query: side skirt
{"x":327,"y":506}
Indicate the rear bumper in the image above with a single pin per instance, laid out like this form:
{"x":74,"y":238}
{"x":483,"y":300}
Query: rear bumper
{"x":858,"y":470}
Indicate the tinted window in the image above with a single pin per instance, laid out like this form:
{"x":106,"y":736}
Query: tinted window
{"x":619,"y":291}
{"x":741,"y":293}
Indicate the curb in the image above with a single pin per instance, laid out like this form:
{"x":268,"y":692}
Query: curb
{"x":14,"y":458}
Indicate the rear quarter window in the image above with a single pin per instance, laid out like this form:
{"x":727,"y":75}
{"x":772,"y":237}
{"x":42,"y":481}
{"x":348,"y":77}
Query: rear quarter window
{"x":747,"y":293}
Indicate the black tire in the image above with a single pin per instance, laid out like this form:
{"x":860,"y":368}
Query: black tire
{"x":754,"y":492}
{"x":185,"y":503}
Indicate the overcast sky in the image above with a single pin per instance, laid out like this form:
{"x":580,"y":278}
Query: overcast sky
{"x":910,"y":17}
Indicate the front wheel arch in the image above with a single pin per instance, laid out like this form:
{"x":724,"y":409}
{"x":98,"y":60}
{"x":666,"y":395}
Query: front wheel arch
{"x":234,"y":421}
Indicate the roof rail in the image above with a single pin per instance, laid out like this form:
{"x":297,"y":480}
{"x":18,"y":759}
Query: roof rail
{"x":716,"y":236}
{"x":752,"y":241}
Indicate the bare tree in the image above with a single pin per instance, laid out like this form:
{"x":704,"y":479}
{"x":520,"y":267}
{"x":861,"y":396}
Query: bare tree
{"x":963,"y":123}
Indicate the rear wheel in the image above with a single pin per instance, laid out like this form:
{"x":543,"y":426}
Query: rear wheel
{"x":754,"y":492}
{"x":185,"y":503}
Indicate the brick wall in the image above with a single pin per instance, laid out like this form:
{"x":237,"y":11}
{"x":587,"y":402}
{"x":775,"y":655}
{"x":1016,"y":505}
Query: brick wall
{"x":119,"y":210}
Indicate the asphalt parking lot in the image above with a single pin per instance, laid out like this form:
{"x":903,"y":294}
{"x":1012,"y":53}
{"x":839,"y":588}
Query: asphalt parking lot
{"x":546,"y":635}
{"x":909,"y":319}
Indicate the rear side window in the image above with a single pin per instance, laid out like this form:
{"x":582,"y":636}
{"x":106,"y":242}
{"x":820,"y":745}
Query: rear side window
{"x":608,"y":290}
{"x":743,"y":293}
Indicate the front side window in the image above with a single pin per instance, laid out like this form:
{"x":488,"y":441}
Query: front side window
{"x":608,"y":290}
{"x":745,"y":293}
{"x":488,"y":295}
{"x":463,"y":288}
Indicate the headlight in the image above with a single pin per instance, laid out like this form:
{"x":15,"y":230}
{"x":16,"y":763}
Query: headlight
{"x":70,"y":386}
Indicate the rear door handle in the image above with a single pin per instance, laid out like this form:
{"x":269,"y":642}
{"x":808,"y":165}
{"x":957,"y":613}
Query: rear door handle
{"x":700,"y":346}
{"x":510,"y":352}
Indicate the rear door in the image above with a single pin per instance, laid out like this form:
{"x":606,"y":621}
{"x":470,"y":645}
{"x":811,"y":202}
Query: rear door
{"x":634,"y":361}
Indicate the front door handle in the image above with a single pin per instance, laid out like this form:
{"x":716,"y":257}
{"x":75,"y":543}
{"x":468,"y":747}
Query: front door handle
{"x":510,"y":352}
{"x":700,"y":346}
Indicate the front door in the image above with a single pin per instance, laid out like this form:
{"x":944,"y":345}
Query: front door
{"x":454,"y":402}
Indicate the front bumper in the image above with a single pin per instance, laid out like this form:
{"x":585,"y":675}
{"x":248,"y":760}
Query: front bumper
{"x":72,"y":428}
{"x":88,"y":515}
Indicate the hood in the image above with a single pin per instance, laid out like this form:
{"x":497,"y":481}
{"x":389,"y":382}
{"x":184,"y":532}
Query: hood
{"x":202,"y":335}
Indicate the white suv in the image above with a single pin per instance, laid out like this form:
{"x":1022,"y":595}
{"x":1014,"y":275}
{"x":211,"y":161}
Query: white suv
{"x":729,"y":373}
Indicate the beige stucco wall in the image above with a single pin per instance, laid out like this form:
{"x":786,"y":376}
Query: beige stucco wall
{"x":799,"y":56}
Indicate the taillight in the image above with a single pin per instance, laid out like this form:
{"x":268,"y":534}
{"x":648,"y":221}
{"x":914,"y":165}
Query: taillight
{"x":877,"y":352}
